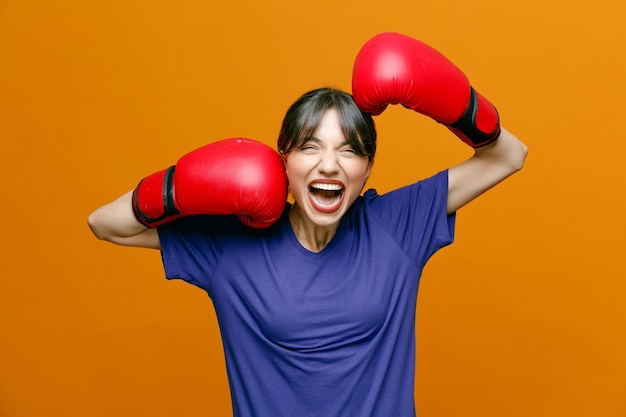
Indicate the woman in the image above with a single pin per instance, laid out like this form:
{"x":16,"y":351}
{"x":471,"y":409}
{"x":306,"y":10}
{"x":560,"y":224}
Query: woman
{"x":317,"y":309}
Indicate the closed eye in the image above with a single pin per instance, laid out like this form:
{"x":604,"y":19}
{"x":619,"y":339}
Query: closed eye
{"x":307,"y":147}
{"x":310,"y":144}
{"x":349,"y":150}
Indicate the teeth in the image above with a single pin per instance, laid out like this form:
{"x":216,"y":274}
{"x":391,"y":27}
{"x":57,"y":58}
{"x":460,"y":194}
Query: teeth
{"x":326,"y":187}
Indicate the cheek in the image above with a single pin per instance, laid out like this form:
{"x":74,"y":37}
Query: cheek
{"x":290,"y":169}
{"x":360,"y":172}
{"x":295,"y":171}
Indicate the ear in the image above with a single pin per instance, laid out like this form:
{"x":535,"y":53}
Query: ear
{"x":284,"y":157}
{"x":369,"y":169}
{"x":367,"y":173}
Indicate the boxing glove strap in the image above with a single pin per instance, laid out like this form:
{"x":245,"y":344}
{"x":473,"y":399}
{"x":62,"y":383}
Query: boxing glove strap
{"x":158,"y":202}
{"x":467,"y":127}
{"x":169,"y":205}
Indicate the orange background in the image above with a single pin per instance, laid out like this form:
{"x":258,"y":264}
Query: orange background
{"x":523,"y":316}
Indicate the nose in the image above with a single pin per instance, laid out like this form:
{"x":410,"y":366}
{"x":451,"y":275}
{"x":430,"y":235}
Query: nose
{"x":329,"y":163}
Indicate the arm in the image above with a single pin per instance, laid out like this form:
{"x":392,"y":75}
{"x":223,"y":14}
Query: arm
{"x":116,"y":223}
{"x":232,"y":176}
{"x":489,"y":165}
{"x":392,"y":68}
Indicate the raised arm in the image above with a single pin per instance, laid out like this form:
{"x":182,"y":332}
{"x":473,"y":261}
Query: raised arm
{"x":392,"y":68}
{"x":489,"y":165}
{"x":232,"y":176}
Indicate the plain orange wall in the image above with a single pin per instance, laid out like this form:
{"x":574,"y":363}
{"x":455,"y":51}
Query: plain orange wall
{"x":524,"y":315}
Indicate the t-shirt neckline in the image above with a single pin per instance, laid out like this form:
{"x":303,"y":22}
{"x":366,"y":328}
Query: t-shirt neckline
{"x":315,"y":256}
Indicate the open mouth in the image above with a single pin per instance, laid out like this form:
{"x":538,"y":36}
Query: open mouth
{"x":326,"y":197}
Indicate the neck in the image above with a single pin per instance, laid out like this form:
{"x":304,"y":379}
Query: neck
{"x":311,"y":236}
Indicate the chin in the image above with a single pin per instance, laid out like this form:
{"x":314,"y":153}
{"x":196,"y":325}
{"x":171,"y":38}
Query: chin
{"x":326,"y":219}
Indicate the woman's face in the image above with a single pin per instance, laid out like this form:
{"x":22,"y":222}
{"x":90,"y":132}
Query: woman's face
{"x":325,"y":174}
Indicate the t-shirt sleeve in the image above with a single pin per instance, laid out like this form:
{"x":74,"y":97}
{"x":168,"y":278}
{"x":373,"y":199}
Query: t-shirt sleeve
{"x":416,"y":216}
{"x":191,"y":247}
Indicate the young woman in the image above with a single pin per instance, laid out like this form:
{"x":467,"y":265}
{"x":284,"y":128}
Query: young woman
{"x":316,"y":299}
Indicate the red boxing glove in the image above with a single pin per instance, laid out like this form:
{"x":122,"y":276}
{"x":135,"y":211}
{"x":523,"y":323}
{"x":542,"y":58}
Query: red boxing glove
{"x":231,"y":176}
{"x":392,"y":68}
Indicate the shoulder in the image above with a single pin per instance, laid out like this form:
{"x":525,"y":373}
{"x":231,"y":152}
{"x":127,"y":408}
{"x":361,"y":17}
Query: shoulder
{"x":401,"y":204}
{"x":424,"y":187}
{"x":218,"y":228}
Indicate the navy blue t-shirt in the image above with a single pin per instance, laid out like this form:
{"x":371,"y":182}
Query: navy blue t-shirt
{"x":328,"y":334}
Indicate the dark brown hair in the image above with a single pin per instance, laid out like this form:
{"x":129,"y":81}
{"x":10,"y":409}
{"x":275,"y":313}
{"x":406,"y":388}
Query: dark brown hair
{"x":305,"y":114}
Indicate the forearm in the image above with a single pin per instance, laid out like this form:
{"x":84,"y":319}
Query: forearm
{"x":508,"y":152}
{"x":489,"y":166}
{"x":115,"y":222}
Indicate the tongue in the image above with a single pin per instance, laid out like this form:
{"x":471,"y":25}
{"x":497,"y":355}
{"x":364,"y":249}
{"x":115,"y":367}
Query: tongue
{"x":325,"y":197}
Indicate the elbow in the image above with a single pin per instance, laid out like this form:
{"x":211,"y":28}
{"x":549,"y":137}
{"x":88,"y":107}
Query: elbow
{"x":519,"y":158}
{"x":514,"y":151}
{"x":96,"y":227}
{"x":116,"y":223}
